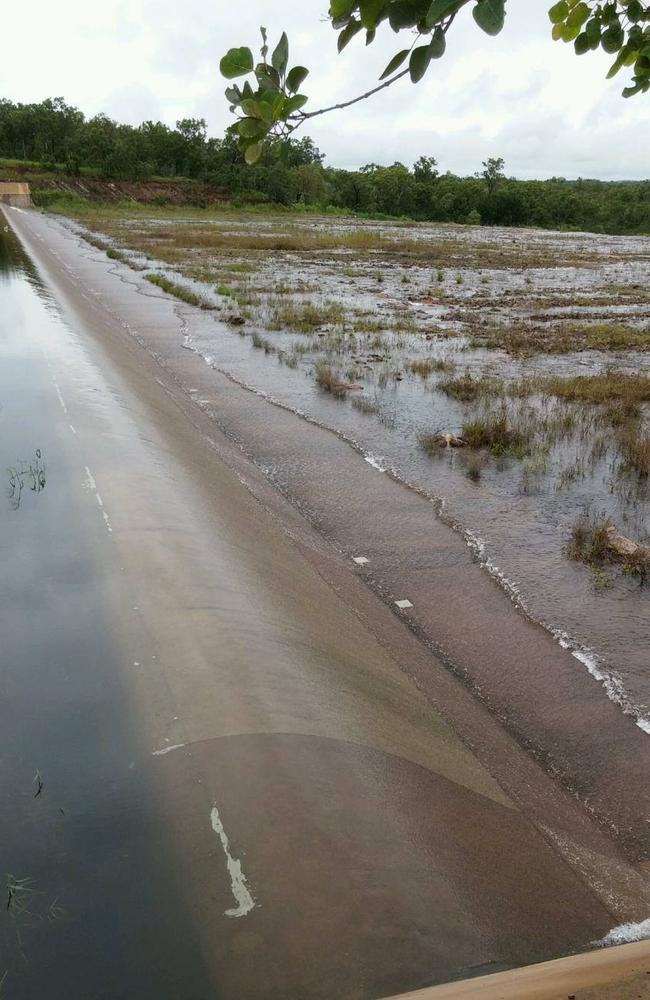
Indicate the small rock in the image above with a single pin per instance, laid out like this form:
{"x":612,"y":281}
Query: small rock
{"x":623,"y":546}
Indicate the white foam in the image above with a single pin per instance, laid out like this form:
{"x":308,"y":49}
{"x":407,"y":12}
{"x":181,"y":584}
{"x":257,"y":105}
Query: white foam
{"x":625,"y":933}
{"x":375,"y":462}
{"x":245,"y":902}
{"x":610,"y":680}
{"x":475,"y":543}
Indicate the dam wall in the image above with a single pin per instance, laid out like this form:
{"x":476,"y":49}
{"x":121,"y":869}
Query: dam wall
{"x":15,"y":193}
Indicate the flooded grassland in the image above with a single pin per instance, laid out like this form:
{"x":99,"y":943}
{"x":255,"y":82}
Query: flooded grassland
{"x":529,"y":349}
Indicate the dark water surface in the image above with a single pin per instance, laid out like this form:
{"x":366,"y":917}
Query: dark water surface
{"x":90,"y":904}
{"x":379,"y":854}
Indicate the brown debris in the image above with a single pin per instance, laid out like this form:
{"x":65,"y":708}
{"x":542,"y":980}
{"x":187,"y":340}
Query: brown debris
{"x":448,"y":440}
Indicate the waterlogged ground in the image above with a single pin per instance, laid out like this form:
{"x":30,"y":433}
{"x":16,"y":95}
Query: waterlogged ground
{"x":390,"y":333}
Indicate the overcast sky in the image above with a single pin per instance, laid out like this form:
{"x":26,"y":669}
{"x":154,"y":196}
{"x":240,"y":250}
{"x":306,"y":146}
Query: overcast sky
{"x":520,"y":96}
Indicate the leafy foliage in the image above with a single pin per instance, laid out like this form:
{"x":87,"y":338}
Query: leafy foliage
{"x":292,"y":173}
{"x":619,"y":27}
{"x":274,"y":107}
{"x":274,"y":100}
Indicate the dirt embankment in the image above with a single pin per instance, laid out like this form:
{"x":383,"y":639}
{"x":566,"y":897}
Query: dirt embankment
{"x":46,"y":185}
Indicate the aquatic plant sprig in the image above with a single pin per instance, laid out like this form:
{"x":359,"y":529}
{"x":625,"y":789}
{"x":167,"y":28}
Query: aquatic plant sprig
{"x":32,"y":474}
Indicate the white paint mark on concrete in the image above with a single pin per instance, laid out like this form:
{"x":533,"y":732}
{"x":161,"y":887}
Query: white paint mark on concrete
{"x":72,"y":429}
{"x":164,"y":750}
{"x":61,"y":399}
{"x":90,"y":484}
{"x":136,"y":663}
{"x":403,"y":604}
{"x":245,"y":902}
{"x":360,"y":560}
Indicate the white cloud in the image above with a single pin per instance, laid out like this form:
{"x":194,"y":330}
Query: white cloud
{"x":520,"y":96}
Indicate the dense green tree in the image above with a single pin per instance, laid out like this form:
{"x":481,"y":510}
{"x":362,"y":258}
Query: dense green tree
{"x":293,"y":172}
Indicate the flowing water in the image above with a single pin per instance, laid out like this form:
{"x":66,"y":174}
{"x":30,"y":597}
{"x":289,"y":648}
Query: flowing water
{"x":518,"y":517}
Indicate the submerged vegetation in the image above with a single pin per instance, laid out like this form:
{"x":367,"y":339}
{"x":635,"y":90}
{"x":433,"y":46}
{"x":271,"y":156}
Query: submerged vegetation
{"x":594,"y":541}
{"x":563,"y":338}
{"x":499,"y":433}
{"x":609,"y":385}
{"x":178,"y":291}
{"x":30,"y":473}
{"x":378,"y":307}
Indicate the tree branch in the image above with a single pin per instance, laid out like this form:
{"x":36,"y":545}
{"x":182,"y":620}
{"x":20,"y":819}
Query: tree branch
{"x":346,"y":104}
{"x":306,"y":115}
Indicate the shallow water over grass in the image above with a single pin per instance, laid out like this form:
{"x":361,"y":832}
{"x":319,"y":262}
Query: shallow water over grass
{"x":368,"y":301}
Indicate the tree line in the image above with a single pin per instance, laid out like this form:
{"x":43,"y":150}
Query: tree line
{"x":57,"y":136}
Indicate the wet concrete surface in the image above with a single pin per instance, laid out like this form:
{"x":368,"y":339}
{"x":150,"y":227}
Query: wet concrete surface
{"x":98,"y":910}
{"x":258,"y":799}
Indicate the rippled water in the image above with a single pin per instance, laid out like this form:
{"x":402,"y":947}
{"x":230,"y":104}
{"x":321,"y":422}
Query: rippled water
{"x":517,"y":518}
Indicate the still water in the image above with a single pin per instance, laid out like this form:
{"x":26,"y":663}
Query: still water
{"x":91,"y":907}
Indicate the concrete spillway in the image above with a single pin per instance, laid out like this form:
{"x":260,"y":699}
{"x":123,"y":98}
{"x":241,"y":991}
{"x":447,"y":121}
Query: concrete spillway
{"x":15,"y":193}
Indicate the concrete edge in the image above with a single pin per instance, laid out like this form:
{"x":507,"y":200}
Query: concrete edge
{"x":559,"y":978}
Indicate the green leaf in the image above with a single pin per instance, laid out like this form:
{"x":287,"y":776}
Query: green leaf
{"x":612,"y":38}
{"x":578,"y":15}
{"x":251,"y":108}
{"x":582,"y":44}
{"x":370,"y":11}
{"x":419,"y":62}
{"x":233,"y":94}
{"x":394,"y":64}
{"x":559,"y":11}
{"x":403,"y":14}
{"x":567,"y":32}
{"x":280,"y":56}
{"x":615,"y":67}
{"x":341,"y":8}
{"x":293,"y":104}
{"x":351,"y":29}
{"x":236,"y":62}
{"x":440,"y":9}
{"x":295,"y":78}
{"x":635,"y":10}
{"x":438,"y":44}
{"x":253,"y":153}
{"x":490,"y":15}
{"x":592,"y":30}
{"x":251,"y":128}
{"x":267,"y":77}
{"x":271,"y":106}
